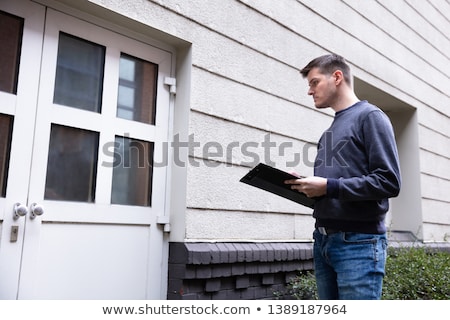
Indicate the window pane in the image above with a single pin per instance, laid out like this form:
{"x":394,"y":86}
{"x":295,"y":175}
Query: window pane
{"x":11,"y":28}
{"x":72,"y":164}
{"x":132,"y":173}
{"x":6,"y":123}
{"x":137,"y":89}
{"x":79,"y":73}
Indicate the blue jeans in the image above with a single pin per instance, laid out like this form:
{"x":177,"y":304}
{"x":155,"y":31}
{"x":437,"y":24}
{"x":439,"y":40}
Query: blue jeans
{"x":349,"y":265}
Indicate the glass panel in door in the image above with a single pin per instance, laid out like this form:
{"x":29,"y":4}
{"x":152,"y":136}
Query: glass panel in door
{"x":133,"y":171}
{"x":71,"y":164}
{"x":79,"y":73}
{"x":6,"y":123}
{"x":137,"y":89}
{"x":11,"y":28}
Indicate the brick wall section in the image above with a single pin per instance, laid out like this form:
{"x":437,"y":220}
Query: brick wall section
{"x":230,"y":271}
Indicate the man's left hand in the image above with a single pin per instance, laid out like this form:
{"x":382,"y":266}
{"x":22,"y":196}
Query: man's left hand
{"x":311,"y":186}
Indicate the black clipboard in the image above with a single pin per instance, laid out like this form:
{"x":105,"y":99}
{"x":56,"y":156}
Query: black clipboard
{"x":272,"y":180}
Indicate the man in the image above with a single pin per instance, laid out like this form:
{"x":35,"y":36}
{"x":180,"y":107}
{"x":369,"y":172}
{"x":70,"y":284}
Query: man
{"x":355,"y":172}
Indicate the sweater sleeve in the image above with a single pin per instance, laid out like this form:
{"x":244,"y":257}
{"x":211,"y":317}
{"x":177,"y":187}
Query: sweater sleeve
{"x":383,"y":177}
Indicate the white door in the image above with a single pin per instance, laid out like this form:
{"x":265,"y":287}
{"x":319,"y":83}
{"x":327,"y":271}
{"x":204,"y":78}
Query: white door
{"x":89,"y":133}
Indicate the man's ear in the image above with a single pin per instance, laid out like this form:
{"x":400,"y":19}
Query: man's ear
{"x":338,"y":77}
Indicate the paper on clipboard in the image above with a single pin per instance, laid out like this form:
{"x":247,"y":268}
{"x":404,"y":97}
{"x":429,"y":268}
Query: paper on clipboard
{"x":272,"y":180}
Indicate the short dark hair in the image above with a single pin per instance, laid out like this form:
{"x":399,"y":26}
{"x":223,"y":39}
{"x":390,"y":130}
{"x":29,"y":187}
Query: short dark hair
{"x":327,"y":64}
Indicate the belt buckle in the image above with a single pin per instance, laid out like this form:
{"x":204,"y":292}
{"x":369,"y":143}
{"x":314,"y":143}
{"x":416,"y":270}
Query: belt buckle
{"x":322,"y":230}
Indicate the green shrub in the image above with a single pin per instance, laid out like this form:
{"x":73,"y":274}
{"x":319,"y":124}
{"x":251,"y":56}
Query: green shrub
{"x":417,"y":274}
{"x":302,"y":287}
{"x":413,"y":273}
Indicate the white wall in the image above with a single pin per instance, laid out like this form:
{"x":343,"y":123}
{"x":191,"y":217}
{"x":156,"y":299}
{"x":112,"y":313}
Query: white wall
{"x":245,"y":83}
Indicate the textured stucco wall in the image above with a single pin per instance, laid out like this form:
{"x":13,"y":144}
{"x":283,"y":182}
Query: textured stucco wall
{"x":245,"y":84}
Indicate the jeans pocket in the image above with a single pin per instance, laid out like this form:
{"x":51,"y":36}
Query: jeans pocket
{"x":375,"y":245}
{"x":362,"y":238}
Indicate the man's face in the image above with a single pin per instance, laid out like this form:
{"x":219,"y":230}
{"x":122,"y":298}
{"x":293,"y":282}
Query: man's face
{"x":322,"y":88}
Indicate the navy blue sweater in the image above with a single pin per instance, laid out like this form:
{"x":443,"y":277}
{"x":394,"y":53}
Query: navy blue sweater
{"x":358,"y":156}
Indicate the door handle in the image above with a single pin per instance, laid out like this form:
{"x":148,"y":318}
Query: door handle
{"x":36,"y":210}
{"x":19,"y":210}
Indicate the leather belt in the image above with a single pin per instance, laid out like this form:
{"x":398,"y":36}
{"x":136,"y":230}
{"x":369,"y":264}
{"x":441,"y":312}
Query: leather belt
{"x":327,"y":231}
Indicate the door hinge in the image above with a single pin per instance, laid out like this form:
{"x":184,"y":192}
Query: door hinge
{"x":164,"y":221}
{"x":172,"y":83}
